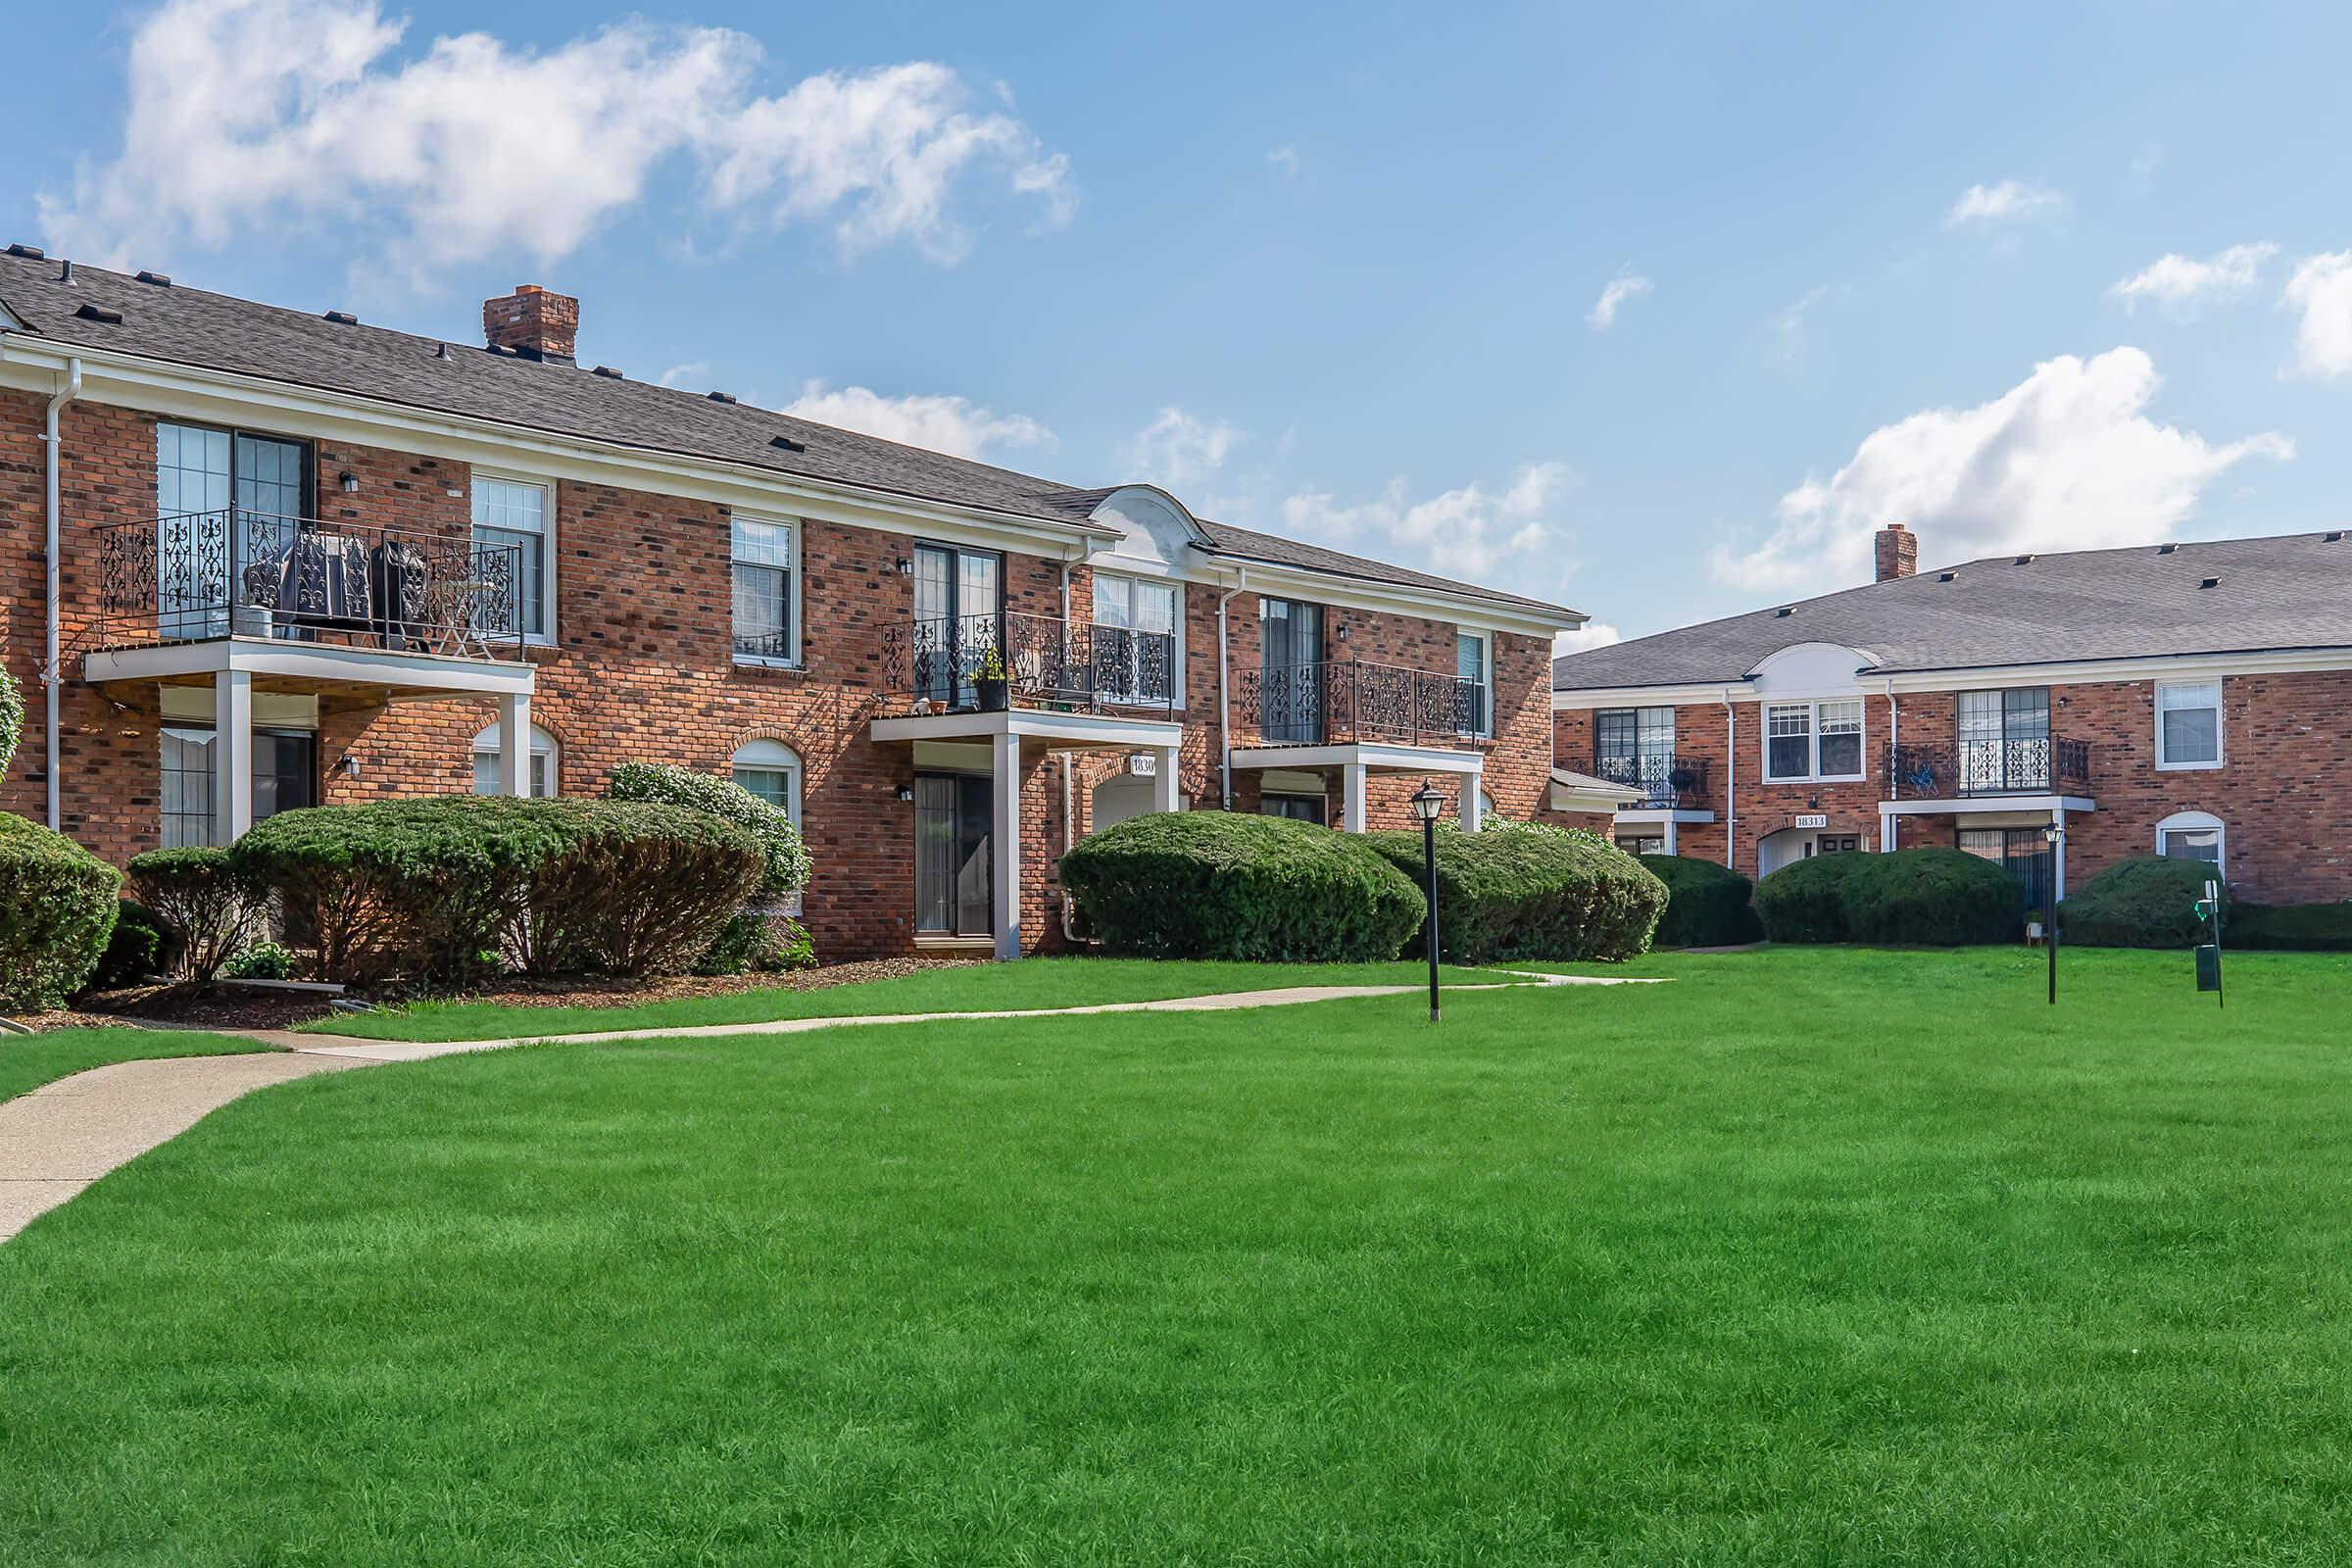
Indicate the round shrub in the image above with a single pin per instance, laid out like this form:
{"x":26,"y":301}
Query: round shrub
{"x":2147,"y":901}
{"x":1806,"y":901}
{"x":1942,"y":897}
{"x":1515,"y":892}
{"x":642,"y":888}
{"x":723,"y":798}
{"x":1708,"y":905}
{"x":134,"y":952}
{"x":1225,"y":885}
{"x":11,"y":718}
{"x":206,"y":907}
{"x":58,"y":904}
{"x":755,"y":940}
{"x":2287,"y":927}
{"x":264,"y":960}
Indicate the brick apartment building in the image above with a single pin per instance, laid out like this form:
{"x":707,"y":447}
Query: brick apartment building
{"x":301,"y":560}
{"x":2186,"y":700}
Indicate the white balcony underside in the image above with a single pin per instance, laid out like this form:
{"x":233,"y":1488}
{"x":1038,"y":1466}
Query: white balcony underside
{"x":278,"y":659}
{"x":1977,"y":805}
{"x":1052,"y":732}
{"x":1373,"y":757}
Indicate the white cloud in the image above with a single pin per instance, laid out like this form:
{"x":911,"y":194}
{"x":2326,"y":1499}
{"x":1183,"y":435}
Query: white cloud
{"x":1178,"y":449}
{"x":2066,"y":460}
{"x":2321,"y":289}
{"x":940,"y":423}
{"x":1461,"y":532}
{"x":2001,"y":202}
{"x":1591,"y":635}
{"x":265,"y":115}
{"x":1285,"y":157}
{"x":2177,"y":282}
{"x":1624,"y":286}
{"x":1789,"y":324}
{"x":680,"y":374}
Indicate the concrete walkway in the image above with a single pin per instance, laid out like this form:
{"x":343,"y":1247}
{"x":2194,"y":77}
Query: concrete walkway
{"x":60,"y":1137}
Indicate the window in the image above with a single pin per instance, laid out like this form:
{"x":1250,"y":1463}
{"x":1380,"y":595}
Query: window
{"x":1473,"y":666}
{"x":2190,"y":836}
{"x":771,"y":771}
{"x":511,"y":514}
{"x":486,"y":770}
{"x":187,"y":786}
{"x":2022,"y":851}
{"x":1813,"y":740}
{"x":1290,"y":696}
{"x":1298,"y":807}
{"x":958,"y":622}
{"x":2189,"y":724}
{"x":1641,"y":843}
{"x":953,"y":895}
{"x":1635,"y":747}
{"x":2005,"y":740}
{"x":1136,"y":657}
{"x":225,"y":500}
{"x":762,"y":561}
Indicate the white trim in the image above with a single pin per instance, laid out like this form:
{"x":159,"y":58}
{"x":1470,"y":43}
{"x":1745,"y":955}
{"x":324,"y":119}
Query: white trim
{"x":2197,"y":822}
{"x":1600,"y":697}
{"x":794,"y":630}
{"x":1270,"y":580}
{"x":765,"y":754}
{"x":1975,"y":805}
{"x":1644,"y":816}
{"x":548,"y":526}
{"x":436,"y":673}
{"x":1814,"y":775}
{"x":2156,"y":704}
{"x":1486,"y":671}
{"x":1054,"y":731}
{"x":1154,"y":578}
{"x":1371,"y":756}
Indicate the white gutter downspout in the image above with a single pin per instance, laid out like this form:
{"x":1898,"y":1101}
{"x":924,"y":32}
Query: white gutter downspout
{"x":1731,"y":783}
{"x":50,"y":674}
{"x":1890,"y":825}
{"x":1241,"y":580}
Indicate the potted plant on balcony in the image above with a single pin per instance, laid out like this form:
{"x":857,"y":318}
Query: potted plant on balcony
{"x":990,"y":683}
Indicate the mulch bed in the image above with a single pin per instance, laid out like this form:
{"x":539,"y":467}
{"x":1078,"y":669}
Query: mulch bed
{"x":187,"y":1007}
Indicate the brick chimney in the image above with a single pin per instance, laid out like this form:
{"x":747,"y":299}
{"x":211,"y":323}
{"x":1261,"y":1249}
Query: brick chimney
{"x":534,"y":323}
{"x":1898,"y":551}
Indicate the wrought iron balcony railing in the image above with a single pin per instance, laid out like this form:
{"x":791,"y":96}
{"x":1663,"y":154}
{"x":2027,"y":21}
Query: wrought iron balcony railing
{"x":2049,"y":766}
{"x":1658,"y":782}
{"x":198,"y":576}
{"x":1344,"y":702}
{"x":945,"y":664}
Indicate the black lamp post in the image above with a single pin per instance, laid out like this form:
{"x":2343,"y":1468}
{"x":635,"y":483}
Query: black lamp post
{"x":2055,"y":837}
{"x":1427,"y":804}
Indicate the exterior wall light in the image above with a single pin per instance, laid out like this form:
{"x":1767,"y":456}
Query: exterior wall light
{"x":906,"y":792}
{"x":349,"y":481}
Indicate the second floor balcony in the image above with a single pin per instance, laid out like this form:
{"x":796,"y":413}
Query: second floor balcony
{"x":202,"y":577}
{"x":1354,"y":701}
{"x":1968,"y":769}
{"x":1655,"y":781}
{"x":985,"y":662}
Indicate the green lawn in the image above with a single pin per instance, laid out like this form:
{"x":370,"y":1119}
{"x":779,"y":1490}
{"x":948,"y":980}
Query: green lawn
{"x":1816,"y":1256}
{"x":27,"y":1062}
{"x":975,"y":988}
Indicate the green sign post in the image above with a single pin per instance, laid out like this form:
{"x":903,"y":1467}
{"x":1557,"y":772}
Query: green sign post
{"x":2209,"y":953}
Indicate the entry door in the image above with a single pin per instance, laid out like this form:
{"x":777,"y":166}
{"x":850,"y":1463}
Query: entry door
{"x":954,"y":870}
{"x":1292,"y":638}
{"x":286,"y":772}
{"x":958,"y":610}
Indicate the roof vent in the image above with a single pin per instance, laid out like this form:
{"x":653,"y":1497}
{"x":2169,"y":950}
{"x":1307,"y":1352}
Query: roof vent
{"x":1785,"y":611}
{"x":785,"y":443}
{"x":440,"y":351}
{"x":609,"y":374}
{"x":1947,"y":576}
{"x":720,"y":397}
{"x":99,"y":313}
{"x":2024,"y":560}
{"x":2334,"y":537}
{"x":159,"y":279}
{"x":2165,"y":549}
{"x":2211,"y":582}
{"x":32,"y":252}
{"x":342,"y":317}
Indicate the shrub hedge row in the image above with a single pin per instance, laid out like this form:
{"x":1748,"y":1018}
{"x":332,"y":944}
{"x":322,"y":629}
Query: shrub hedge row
{"x":1941,"y":898}
{"x":209,"y":909}
{"x":2290,"y":927}
{"x":787,"y":857}
{"x":2146,"y":901}
{"x":1708,"y":905}
{"x":1520,"y":891}
{"x":58,"y":905}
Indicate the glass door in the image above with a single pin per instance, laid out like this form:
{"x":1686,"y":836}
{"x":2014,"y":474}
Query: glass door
{"x":959,"y":612}
{"x":286,"y":772}
{"x":954,"y":892}
{"x":1292,"y":697}
{"x":2020,"y":851}
{"x":226,"y":502}
{"x":2005,"y":741}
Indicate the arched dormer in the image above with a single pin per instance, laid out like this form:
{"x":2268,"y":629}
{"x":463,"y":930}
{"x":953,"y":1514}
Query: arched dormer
{"x":1157,"y":530}
{"x":1811,"y":670}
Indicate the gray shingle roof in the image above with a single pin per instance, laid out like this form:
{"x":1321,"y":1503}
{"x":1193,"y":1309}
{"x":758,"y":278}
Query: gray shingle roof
{"x":1247,"y":544}
{"x":185,"y":326}
{"x":2288,"y":592}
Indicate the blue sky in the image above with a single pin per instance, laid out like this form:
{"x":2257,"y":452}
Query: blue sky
{"x":1333,"y":270}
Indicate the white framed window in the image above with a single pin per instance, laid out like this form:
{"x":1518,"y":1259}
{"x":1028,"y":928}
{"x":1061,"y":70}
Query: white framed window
{"x":544,"y":772}
{"x":771,"y":771}
{"x":1137,"y":646}
{"x":764,"y":559}
{"x":2191,"y":836}
{"x":517,"y":513}
{"x":2189,"y":724}
{"x":1474,"y":666}
{"x":187,"y":800}
{"x":1811,"y":741}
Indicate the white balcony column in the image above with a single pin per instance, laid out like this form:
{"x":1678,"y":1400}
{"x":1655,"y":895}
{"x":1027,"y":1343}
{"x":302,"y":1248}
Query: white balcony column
{"x":1165,"y":780}
{"x":1672,"y":845}
{"x":1474,"y":813}
{"x":1352,"y":796}
{"x":233,"y":755}
{"x":514,"y":744}
{"x":2058,"y":851}
{"x":1890,"y":838}
{"x":1005,"y":840}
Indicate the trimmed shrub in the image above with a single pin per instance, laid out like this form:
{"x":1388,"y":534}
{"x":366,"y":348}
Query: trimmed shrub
{"x":11,"y":718}
{"x":753,"y":940}
{"x":58,"y":904}
{"x":645,"y":887}
{"x":264,"y":960}
{"x":203,"y":903}
{"x":1512,"y":893}
{"x":1708,"y":905}
{"x":1942,"y":898}
{"x":1227,"y":885}
{"x":2288,"y":927}
{"x":723,"y":798}
{"x":2146,"y":901}
{"x":134,"y":952}
{"x":1806,"y":902}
